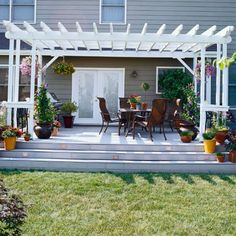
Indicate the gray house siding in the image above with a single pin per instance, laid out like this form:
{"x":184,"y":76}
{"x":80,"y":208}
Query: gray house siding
{"x":153,"y":12}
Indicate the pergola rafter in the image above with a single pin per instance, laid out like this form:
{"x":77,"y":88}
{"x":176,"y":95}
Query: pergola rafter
{"x":79,"y":43}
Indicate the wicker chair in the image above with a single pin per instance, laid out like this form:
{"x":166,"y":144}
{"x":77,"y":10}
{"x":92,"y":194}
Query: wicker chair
{"x":156,"y":118}
{"x":106,"y":118}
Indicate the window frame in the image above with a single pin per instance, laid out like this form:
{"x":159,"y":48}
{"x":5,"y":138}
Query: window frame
{"x":21,"y":22}
{"x":114,"y":23}
{"x":165,"y":67}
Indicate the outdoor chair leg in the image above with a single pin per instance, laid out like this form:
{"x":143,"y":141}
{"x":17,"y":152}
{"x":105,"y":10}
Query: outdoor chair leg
{"x":150,"y":133}
{"x":133,"y":131}
{"x":171,"y":126}
{"x":101,"y":127}
{"x":119,"y":128}
{"x":164,"y":132}
{"x":106,"y":127}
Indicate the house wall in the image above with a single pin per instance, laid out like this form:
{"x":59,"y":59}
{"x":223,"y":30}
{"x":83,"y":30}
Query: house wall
{"x":146,"y":69}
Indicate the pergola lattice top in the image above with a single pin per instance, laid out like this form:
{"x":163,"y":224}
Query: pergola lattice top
{"x":95,"y":43}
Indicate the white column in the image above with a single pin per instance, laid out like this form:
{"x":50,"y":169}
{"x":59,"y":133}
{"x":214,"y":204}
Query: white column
{"x":195,"y":79}
{"x":10,"y":80}
{"x":208,"y":89}
{"x":17,"y":79}
{"x":225,"y":79}
{"x":202,"y":94}
{"x":218,"y":75}
{"x":32,"y":88}
{"x":40,"y":61}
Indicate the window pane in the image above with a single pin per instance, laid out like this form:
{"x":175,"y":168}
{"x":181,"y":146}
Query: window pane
{"x":4,"y":2}
{"x":4,"y":12}
{"x":23,"y":2}
{"x":3,"y":93}
{"x":113,"y":2}
{"x":3,"y":76}
{"x":21,"y":13}
{"x":24,"y":92}
{"x":113,"y":14}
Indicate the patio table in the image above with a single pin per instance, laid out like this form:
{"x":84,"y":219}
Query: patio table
{"x":130,"y":113}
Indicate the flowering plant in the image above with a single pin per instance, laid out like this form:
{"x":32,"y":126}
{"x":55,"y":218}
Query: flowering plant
{"x":12,"y":132}
{"x":63,"y":68}
{"x":26,"y":134}
{"x":135,"y":99}
{"x":56,"y":124}
{"x":231,"y":144}
{"x":25,"y":66}
{"x":209,"y":69}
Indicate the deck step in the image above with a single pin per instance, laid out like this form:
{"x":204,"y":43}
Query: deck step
{"x":107,"y":155}
{"x":179,"y":147}
{"x":117,"y":165}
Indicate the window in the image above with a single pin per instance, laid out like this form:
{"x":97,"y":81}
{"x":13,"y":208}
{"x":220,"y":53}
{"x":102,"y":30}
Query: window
{"x":24,"y":84}
{"x":113,"y":11}
{"x":163,"y":69}
{"x":18,"y":10}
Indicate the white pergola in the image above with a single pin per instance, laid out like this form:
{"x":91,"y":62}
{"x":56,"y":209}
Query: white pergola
{"x":61,"y":42}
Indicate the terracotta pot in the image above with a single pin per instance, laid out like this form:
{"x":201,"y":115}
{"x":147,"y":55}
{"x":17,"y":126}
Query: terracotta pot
{"x":220,"y":158}
{"x":232,"y":156}
{"x":43,"y":131}
{"x":186,"y":139}
{"x":55,"y":131}
{"x":182,"y":125}
{"x":132,"y":105}
{"x":27,"y":138}
{"x":10,"y":143}
{"x":221,"y":136}
{"x":68,"y":121}
{"x":210,"y":146}
{"x":144,"y":106}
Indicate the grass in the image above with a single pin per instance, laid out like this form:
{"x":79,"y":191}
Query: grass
{"x":125,"y":204}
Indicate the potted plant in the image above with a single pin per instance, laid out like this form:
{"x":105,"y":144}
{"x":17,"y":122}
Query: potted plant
{"x":220,"y":127}
{"x":10,"y":135}
{"x":220,"y":157}
{"x":145,"y":86}
{"x":186,"y":136}
{"x":209,"y":141}
{"x":55,"y":127}
{"x":63,"y":68}
{"x":67,"y":109}
{"x":231,"y":147}
{"x":44,"y":114}
{"x":134,"y":100}
{"x":27,"y":136}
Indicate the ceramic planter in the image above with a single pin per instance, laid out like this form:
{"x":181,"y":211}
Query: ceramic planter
{"x":43,"y":131}
{"x":68,"y":121}
{"x":55,"y":131}
{"x":232,"y":156}
{"x":221,"y":136}
{"x":10,"y":143}
{"x":186,"y":139}
{"x":210,"y":146}
{"x":132,"y":105}
{"x":220,"y":158}
{"x":144,"y":106}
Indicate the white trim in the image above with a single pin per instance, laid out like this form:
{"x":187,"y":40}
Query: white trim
{"x":114,"y":23}
{"x":165,"y":67}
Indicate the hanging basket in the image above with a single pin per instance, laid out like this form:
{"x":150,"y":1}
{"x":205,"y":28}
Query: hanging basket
{"x":63,"y":68}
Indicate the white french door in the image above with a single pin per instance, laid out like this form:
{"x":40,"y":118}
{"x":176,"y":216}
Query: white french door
{"x":87,"y":84}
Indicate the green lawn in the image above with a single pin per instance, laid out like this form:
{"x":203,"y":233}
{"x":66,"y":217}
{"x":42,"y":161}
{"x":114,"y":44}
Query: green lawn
{"x":125,"y":204}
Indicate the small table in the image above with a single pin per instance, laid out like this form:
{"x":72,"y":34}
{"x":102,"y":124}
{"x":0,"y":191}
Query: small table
{"x":131,"y":113}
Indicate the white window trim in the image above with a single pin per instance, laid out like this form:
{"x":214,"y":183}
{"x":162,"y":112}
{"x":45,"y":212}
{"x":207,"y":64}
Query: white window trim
{"x":21,"y":22}
{"x":114,"y":23}
{"x":165,"y":67}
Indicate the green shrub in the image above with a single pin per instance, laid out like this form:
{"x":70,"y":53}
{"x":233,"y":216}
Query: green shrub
{"x":186,"y":133}
{"x":69,"y":107}
{"x":209,"y":135}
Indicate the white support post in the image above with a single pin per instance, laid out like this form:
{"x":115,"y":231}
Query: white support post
{"x":185,"y":65}
{"x":10,"y":80}
{"x":225,"y":79}
{"x":40,"y":72}
{"x":194,"y":77}
{"x":202,"y":93}
{"x":32,"y":88}
{"x":16,"y":80}
{"x":218,"y":75}
{"x":208,"y":89}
